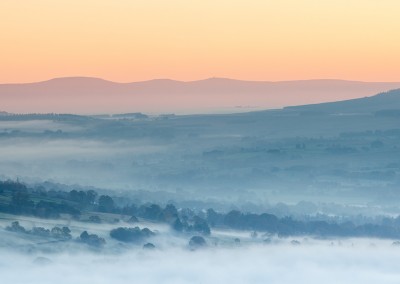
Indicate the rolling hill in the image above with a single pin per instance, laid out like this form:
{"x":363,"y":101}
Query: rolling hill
{"x":85,"y":95}
{"x":386,"y":103}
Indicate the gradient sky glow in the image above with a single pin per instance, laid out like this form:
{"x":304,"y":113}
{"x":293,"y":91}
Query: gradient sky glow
{"x":131,"y":40}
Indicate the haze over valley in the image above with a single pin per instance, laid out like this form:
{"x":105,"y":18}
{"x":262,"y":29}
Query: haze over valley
{"x":85,"y":95}
{"x":200,"y":142}
{"x":108,"y":192}
{"x":347,"y":152}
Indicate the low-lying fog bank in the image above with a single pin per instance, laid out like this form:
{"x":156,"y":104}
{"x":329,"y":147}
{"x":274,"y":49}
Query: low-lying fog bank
{"x":317,"y":263}
{"x":258,"y":157}
{"x":229,"y":256}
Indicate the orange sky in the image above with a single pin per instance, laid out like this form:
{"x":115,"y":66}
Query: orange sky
{"x":131,"y":40}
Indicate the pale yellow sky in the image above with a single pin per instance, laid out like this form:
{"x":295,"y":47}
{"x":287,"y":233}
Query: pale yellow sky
{"x":131,"y":40}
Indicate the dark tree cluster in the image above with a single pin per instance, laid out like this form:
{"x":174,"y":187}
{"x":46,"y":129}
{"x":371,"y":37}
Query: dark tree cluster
{"x":18,"y":199}
{"x":45,"y":209}
{"x":106,"y":204}
{"x":181,"y":221}
{"x":83,"y":197}
{"x":91,"y":239}
{"x":289,"y":227}
{"x":63,"y":233}
{"x":131,"y":235}
{"x":21,"y":202}
{"x":9,"y":185}
{"x":152,"y":212}
{"x":263,"y":222}
{"x":196,"y":224}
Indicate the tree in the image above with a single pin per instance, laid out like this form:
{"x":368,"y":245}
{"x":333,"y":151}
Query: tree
{"x":74,"y":195}
{"x":152,"y":212}
{"x":130,"y":210}
{"x":21,"y":203}
{"x":170,"y":213}
{"x":178,"y":225}
{"x":132,"y":235}
{"x":214,"y":218}
{"x":200,"y":225}
{"x":233,"y":219}
{"x":133,"y":219}
{"x":149,"y":246}
{"x":106,"y":204}
{"x":63,"y":233}
{"x":95,"y":219}
{"x":16,"y":227}
{"x":197,"y":242}
{"x":40,"y":231}
{"x":91,"y":196}
{"x":91,"y":239}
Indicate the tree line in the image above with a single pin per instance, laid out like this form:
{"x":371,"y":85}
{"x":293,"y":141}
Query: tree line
{"x":18,"y":198}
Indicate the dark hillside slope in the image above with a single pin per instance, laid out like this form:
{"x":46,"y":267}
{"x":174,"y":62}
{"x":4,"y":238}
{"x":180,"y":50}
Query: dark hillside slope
{"x":379,"y":103}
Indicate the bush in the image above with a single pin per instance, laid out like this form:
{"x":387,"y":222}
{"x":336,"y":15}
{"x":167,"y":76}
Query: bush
{"x":149,"y":246}
{"x":197,"y":242}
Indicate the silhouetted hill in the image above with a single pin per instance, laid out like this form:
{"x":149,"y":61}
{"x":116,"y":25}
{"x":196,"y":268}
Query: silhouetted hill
{"x":384,"y":104}
{"x":91,"y":95}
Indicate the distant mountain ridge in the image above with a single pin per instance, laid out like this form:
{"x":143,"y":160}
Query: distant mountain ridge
{"x":86,"y":95}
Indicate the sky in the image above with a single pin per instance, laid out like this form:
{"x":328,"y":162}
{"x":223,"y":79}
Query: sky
{"x":134,"y":40}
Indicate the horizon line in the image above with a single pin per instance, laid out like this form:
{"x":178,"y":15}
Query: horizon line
{"x":191,"y":81}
